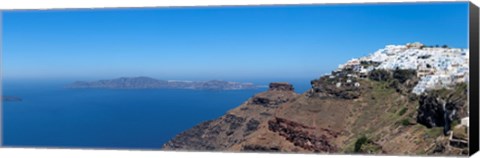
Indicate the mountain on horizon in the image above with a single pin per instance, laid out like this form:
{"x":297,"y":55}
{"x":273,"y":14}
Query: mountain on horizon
{"x":143,"y":82}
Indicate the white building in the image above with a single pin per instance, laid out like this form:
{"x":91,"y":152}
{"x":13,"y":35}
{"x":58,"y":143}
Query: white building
{"x":465,"y":121}
{"x":437,"y":67}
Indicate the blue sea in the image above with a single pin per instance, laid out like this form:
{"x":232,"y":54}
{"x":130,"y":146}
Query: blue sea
{"x":53,"y":116}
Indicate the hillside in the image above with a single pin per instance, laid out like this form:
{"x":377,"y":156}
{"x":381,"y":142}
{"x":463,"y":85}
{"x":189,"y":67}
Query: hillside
{"x":351,"y":110}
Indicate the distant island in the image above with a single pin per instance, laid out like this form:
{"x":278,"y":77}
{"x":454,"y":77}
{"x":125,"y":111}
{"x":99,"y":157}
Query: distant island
{"x":151,"y":83}
{"x":10,"y":98}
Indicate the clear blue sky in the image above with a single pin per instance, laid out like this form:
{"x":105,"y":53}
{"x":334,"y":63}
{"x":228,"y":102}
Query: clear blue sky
{"x":230,"y":43}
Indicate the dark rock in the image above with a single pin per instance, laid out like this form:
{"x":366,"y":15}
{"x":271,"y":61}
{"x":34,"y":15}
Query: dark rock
{"x":380,"y":75}
{"x":278,"y":93}
{"x":430,"y":111}
{"x":301,"y":135}
{"x":268,"y":101}
{"x":258,"y":148}
{"x":280,"y":86}
{"x":261,"y":101}
{"x":234,"y":121}
{"x":252,"y":126}
{"x":439,"y":148}
{"x":233,"y":127}
{"x":404,"y":80}
{"x":194,"y":138}
{"x":244,"y":108}
{"x":326,"y":87}
{"x":438,"y":108}
{"x":265,"y":114}
{"x":210,"y":135}
{"x":403,"y":75}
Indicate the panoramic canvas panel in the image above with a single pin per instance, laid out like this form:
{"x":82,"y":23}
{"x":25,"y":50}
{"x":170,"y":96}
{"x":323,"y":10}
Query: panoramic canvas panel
{"x":388,"y":79}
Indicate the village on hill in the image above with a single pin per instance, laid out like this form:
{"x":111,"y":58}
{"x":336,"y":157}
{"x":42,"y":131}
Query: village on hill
{"x":436,"y":66}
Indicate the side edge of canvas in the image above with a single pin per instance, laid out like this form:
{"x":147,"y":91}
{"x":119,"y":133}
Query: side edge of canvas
{"x":474,"y":75}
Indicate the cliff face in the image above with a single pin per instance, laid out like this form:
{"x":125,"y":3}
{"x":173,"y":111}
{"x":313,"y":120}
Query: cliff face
{"x":440,"y":108}
{"x":401,"y":100}
{"x":372,"y":116}
{"x":237,"y":124}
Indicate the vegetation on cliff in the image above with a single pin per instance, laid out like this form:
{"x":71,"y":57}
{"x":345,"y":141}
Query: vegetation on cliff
{"x":341,"y":113}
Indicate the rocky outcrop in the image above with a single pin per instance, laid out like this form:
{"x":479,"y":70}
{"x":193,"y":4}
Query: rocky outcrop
{"x":193,"y":139}
{"x":347,"y":84}
{"x":326,"y":119}
{"x":302,"y":135}
{"x":278,"y":93}
{"x":237,"y":125}
{"x":365,"y":106}
{"x":341,"y":85}
{"x":259,"y":148}
{"x":280,"y":86}
{"x":430,"y":111}
{"x":440,"y":107}
{"x":269,"y":101}
{"x":210,"y":135}
{"x":251,"y":126}
{"x":403,"y":80}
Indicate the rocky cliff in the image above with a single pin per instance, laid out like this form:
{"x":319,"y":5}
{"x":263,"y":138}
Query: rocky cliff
{"x":237,"y":124}
{"x":347,"y":111}
{"x":372,"y":116}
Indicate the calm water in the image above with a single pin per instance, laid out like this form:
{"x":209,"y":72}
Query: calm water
{"x":52,"y":116}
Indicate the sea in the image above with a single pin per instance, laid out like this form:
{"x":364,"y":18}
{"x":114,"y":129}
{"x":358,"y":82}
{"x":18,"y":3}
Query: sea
{"x":52,"y":116}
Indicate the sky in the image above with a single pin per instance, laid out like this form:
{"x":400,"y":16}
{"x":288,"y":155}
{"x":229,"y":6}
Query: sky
{"x":227,"y":43}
